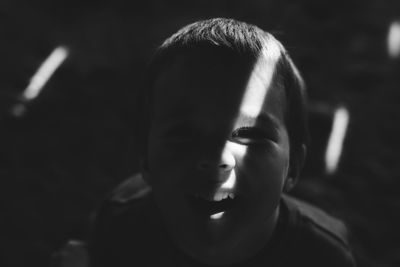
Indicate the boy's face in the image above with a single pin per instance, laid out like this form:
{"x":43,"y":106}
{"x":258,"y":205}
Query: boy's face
{"x":218,"y":154}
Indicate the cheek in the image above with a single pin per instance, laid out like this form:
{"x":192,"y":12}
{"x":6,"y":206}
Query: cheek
{"x":162,"y":153}
{"x":262,"y":172}
{"x":168,"y":163}
{"x":265,"y":169}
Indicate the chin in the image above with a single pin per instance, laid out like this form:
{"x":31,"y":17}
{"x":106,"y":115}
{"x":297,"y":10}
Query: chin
{"x":223,"y":249}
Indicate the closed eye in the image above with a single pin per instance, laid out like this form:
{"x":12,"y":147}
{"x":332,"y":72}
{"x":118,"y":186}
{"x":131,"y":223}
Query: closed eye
{"x":251,"y":135}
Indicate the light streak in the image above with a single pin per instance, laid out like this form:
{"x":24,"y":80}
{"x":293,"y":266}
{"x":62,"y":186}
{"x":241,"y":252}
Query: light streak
{"x":393,"y":39}
{"x":336,"y":139}
{"x":45,"y":71}
{"x":259,"y":83}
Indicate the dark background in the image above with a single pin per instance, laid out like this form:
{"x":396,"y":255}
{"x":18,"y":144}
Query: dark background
{"x":79,"y":137}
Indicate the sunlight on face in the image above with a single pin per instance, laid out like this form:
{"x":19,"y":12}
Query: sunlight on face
{"x":256,"y":90}
{"x":230,"y":182}
{"x":260,"y":81}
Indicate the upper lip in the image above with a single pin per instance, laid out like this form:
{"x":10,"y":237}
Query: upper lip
{"x":211,"y":204}
{"x":214,"y":194}
{"x":217,"y":196}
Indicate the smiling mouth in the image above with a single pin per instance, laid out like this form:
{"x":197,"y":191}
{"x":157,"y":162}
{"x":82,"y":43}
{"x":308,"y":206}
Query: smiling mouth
{"x":211,"y":206}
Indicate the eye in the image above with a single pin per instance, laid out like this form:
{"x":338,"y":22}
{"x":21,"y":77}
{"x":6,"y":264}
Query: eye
{"x":250,"y":135}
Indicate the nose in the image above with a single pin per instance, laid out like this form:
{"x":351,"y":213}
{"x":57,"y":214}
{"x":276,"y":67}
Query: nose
{"x":226,"y":163}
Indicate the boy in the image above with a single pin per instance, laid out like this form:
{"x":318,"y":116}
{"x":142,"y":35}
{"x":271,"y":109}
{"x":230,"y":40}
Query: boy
{"x":226,"y":138}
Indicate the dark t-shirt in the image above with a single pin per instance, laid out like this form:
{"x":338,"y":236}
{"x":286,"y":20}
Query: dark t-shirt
{"x":128,"y":231}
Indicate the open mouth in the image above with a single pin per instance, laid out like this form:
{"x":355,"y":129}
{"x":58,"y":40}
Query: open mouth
{"x":209,"y":206}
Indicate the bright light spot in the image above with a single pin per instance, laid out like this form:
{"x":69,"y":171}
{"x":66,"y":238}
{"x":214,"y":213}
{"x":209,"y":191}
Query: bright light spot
{"x":336,"y":138}
{"x":394,"y":39}
{"x":44,"y":72}
{"x":217,"y":216}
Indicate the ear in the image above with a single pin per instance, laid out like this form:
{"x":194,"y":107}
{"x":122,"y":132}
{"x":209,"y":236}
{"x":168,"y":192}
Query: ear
{"x":295,"y":167}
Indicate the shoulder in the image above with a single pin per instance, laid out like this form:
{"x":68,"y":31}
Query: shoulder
{"x":126,"y":202}
{"x":129,"y":203}
{"x":318,"y":220}
{"x":126,"y":224}
{"x":318,"y":238}
{"x":133,"y":188}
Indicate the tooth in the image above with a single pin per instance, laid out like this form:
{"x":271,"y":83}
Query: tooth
{"x":218,"y":196}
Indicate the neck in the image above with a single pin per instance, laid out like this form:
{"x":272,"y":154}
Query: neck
{"x":251,"y":244}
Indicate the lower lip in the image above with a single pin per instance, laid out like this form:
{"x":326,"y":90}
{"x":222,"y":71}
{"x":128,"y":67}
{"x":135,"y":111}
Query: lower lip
{"x":210,"y":209}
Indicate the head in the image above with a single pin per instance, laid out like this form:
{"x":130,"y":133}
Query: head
{"x":226,"y":136}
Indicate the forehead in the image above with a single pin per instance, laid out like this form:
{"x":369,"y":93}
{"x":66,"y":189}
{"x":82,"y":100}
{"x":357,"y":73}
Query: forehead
{"x":218,"y":84}
{"x":203,"y":74}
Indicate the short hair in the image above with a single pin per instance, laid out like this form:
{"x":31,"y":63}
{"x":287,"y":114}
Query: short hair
{"x":245,"y":41}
